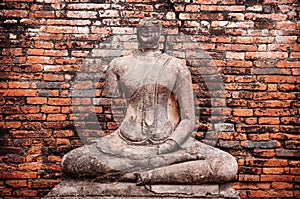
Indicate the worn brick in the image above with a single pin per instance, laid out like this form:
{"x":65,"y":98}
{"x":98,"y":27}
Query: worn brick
{"x":18,"y":174}
{"x":270,"y":194}
{"x":261,"y":144}
{"x":59,"y":101}
{"x":282,"y":185}
{"x":16,"y":183}
{"x":253,"y":46}
{"x":243,"y":112}
{"x":266,"y":162}
{"x":247,"y":177}
{"x":287,"y":153}
{"x":28,"y":193}
{"x":264,"y":153}
{"x":280,"y":178}
{"x":276,"y":170}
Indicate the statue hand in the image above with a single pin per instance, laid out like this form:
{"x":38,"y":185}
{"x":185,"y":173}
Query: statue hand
{"x":167,"y":147}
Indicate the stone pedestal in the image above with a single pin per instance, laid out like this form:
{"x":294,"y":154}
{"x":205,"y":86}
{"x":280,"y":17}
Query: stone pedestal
{"x":71,"y":189}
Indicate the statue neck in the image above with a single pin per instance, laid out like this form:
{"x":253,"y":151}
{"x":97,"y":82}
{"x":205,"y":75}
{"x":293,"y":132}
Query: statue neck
{"x":149,"y":52}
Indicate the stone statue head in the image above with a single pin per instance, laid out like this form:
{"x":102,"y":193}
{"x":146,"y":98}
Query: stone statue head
{"x":148,"y":33}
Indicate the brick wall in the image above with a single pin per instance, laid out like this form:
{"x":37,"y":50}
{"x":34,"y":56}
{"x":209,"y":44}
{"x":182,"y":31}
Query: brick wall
{"x":54,"y":53}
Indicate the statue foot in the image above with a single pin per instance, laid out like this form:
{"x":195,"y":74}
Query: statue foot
{"x":110,"y":177}
{"x":139,"y":179}
{"x":115,"y":177}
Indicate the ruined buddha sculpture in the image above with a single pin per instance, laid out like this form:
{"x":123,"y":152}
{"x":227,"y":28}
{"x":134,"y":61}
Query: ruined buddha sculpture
{"x":153,"y":144}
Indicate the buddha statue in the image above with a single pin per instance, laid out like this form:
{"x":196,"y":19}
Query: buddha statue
{"x":153,"y":144}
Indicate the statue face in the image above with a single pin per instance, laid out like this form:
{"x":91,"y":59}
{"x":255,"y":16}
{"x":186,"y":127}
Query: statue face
{"x":148,"y":36}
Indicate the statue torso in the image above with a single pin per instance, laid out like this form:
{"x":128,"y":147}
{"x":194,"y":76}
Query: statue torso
{"x":147,"y":82}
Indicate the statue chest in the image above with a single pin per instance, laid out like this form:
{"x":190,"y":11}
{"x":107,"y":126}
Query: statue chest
{"x":151,"y":73}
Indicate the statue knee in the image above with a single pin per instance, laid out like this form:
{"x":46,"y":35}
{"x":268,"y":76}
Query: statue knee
{"x":78,"y":162}
{"x":228,"y":168}
{"x":70,"y":162}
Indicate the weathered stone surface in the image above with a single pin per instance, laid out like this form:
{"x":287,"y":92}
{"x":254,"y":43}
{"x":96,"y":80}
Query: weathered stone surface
{"x":224,"y":127}
{"x":87,"y":189}
{"x":153,"y":142}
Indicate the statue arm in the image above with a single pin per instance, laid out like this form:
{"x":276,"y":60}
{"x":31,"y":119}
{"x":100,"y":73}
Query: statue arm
{"x":184,"y":94}
{"x":111,"y":87}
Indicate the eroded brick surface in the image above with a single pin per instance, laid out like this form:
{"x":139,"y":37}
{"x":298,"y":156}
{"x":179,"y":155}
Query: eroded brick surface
{"x":44,"y":45}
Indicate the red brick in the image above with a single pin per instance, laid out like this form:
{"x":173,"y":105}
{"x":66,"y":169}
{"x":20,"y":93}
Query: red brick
{"x":295,"y":55}
{"x":290,"y":120}
{"x":59,"y":101}
{"x":82,"y":14}
{"x":191,"y":8}
{"x":266,"y":162}
{"x":63,"y":133}
{"x":221,"y":39}
{"x":51,"y":109}
{"x":53,"y":77}
{"x":10,"y":125}
{"x":239,"y":63}
{"x":44,"y":183}
{"x":266,"y":55}
{"x":288,"y":64}
{"x":28,"y":193}
{"x":50,"y":37}
{"x":248,"y":177}
{"x":12,"y":51}
{"x":197,"y":16}
{"x":52,"y":158}
{"x":285,"y":39}
{"x":268,"y":120}
{"x":259,"y":137}
{"x":18,"y":174}
{"x":273,"y":96}
{"x":62,"y":141}
{"x":276,"y":170}
{"x":251,"y":120}
{"x":280,"y":178}
{"x":274,"y":112}
{"x":286,"y":25}
{"x":250,"y":185}
{"x":36,"y":100}
{"x":56,"y":117}
{"x":214,"y":2}
{"x":295,"y":171}
{"x":243,"y":112}
{"x":282,"y":185}
{"x":16,"y":183}
{"x":30,"y":134}
{"x":44,"y":14}
{"x":294,"y":163}
{"x":235,"y":55}
{"x":38,"y":51}
{"x":292,"y":144}
{"x":43,"y":44}
{"x":222,"y":8}
{"x":15,"y":13}
{"x":251,"y":40}
{"x":275,"y":17}
{"x":30,"y":166}
{"x":270,"y":194}
{"x":40,"y":60}
{"x":267,"y":153}
{"x":18,"y":92}
{"x":5,"y":192}
{"x":87,"y":6}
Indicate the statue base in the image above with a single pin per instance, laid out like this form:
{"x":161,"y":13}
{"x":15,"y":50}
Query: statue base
{"x":72,"y":189}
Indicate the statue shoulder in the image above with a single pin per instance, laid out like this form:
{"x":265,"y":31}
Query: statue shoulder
{"x":120,"y":62}
{"x":176,"y":63}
